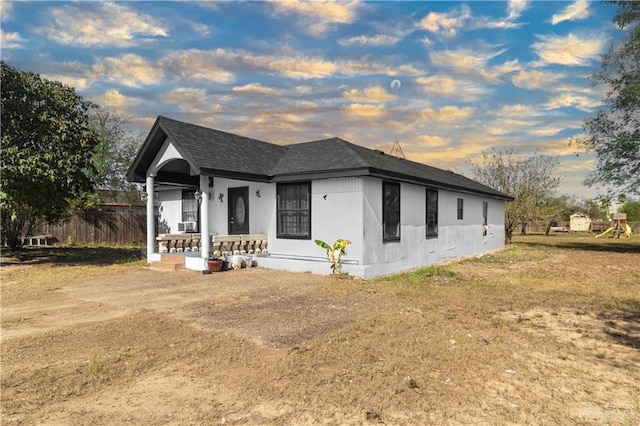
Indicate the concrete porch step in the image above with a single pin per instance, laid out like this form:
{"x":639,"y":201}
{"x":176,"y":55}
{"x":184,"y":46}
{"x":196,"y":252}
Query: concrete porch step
{"x":168,"y":263}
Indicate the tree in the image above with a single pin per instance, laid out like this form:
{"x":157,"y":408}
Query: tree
{"x":530,"y":180}
{"x":614,"y":133}
{"x":114,"y":154}
{"x":47,"y":146}
{"x":632,"y":209}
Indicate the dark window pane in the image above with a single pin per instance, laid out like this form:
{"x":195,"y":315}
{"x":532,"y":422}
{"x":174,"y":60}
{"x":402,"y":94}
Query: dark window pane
{"x":390,"y":211}
{"x":432,"y":213}
{"x":294,"y":210}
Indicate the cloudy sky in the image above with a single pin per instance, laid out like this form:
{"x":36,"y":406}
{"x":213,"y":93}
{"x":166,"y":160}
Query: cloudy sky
{"x":474,"y":75}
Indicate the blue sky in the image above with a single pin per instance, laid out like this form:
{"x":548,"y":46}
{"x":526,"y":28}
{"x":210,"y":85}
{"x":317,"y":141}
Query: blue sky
{"x":474,"y":75}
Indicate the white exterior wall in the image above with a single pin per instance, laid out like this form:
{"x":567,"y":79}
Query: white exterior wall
{"x":260,"y":208}
{"x":456,"y":238}
{"x":353,"y":210}
{"x":169,"y":211}
{"x":337,"y":216}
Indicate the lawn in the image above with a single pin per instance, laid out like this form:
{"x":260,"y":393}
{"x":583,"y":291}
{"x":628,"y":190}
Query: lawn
{"x":546,"y":331}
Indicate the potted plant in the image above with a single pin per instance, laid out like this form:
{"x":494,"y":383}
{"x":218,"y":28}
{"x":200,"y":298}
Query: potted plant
{"x":214,"y":264}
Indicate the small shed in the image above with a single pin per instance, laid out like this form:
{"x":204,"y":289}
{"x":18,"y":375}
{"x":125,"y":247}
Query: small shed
{"x":579,"y":222}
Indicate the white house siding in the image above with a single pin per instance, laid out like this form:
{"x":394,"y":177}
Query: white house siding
{"x":169,"y":210}
{"x":260,"y":208}
{"x":456,"y":238}
{"x":337,"y":216}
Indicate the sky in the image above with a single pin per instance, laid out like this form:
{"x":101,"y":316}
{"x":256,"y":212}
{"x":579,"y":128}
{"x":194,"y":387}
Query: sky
{"x":474,"y":76}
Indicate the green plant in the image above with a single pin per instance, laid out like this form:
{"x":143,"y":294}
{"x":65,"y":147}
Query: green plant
{"x":335,"y":252}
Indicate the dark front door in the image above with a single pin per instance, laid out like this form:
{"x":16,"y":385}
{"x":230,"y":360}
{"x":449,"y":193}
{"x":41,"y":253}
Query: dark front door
{"x":239,"y":210}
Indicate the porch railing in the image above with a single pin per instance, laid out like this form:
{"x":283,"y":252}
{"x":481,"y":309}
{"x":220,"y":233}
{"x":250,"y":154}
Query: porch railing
{"x":222,"y":245}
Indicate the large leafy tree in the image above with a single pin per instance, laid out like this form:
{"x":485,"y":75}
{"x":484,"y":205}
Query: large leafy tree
{"x":47,"y":149}
{"x":614,"y":133}
{"x":632,"y":209}
{"x":113,"y":155}
{"x":530,"y":180}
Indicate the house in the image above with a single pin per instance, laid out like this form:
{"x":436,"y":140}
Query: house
{"x":398,"y":214}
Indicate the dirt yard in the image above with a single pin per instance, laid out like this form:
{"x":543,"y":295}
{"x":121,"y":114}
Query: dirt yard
{"x":546,"y":331}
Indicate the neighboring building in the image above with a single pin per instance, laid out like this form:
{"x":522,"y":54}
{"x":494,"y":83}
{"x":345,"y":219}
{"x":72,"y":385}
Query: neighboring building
{"x":579,"y":222}
{"x":399,"y":214}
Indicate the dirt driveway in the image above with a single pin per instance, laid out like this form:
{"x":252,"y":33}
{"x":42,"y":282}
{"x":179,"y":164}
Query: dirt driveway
{"x":267,"y":306}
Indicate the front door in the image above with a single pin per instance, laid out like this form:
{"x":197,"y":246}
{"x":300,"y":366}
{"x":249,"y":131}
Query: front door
{"x":239,"y":210}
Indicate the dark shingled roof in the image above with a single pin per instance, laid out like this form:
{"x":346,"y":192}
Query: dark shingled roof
{"x":217,"y":153}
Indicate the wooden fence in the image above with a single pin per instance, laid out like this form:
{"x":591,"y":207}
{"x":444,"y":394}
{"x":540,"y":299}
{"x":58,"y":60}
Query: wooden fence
{"x":115,"y":226}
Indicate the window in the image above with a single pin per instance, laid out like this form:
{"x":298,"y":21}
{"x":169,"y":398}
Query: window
{"x":189,"y":207}
{"x":294,"y":210}
{"x":485,"y":214}
{"x":460,"y":208}
{"x":390,"y":211}
{"x":432,"y":213}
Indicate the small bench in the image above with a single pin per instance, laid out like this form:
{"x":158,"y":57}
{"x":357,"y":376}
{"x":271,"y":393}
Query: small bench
{"x":40,"y":240}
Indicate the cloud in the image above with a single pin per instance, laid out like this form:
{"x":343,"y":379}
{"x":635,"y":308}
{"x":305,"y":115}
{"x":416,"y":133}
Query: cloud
{"x":184,"y":95}
{"x":10,"y":40}
{"x":517,"y":110}
{"x":130,"y":70}
{"x":106,"y":24}
{"x":570,"y":50}
{"x":446,"y":24}
{"x":365,"y":110}
{"x":319,"y":17}
{"x":376,"y":40}
{"x":430,"y":141}
{"x":78,"y":83}
{"x":515,"y":8}
{"x":576,"y":10}
{"x":114,"y":99}
{"x":217,"y":65}
{"x":446,"y":114}
{"x":255,"y":88}
{"x":6,"y":9}
{"x":201,"y":29}
{"x":374,"y":94}
{"x":546,"y":131}
{"x":566,"y":100}
{"x":473,"y":62}
{"x":455,"y":88}
{"x":197,"y":64}
{"x":536,"y":80}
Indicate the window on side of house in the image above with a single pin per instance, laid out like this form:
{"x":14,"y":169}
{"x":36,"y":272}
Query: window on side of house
{"x":390,"y":211}
{"x":460,"y":208}
{"x":294,"y":210}
{"x":485,"y":218}
{"x":189,"y":206}
{"x":432,"y":213}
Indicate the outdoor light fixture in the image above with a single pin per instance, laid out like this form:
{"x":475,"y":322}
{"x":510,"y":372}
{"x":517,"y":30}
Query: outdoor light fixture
{"x":198,"y":195}
{"x":258,"y":193}
{"x":144,"y":196}
{"x":220,"y":196}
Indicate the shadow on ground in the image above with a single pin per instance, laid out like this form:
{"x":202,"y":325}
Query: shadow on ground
{"x":609,"y":245}
{"x":71,"y":256}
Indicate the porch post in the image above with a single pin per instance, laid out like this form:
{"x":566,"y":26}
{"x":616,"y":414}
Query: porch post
{"x":205,"y":240}
{"x":151,"y":223}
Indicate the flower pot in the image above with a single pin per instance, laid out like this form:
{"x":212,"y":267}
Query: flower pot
{"x":214,"y":265}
